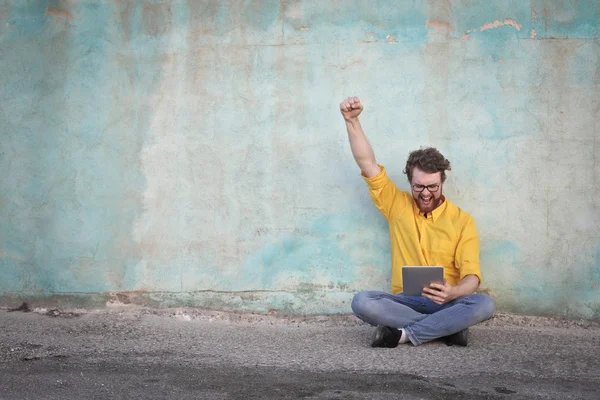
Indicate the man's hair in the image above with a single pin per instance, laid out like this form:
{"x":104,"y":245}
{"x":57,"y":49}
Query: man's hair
{"x":428,"y":160}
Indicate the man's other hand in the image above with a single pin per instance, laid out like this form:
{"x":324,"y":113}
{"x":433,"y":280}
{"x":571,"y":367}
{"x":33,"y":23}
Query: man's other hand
{"x":351,"y":108}
{"x":439,"y":293}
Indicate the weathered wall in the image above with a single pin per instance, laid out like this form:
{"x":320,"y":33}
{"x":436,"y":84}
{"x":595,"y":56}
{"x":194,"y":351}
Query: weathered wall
{"x":192,"y":152}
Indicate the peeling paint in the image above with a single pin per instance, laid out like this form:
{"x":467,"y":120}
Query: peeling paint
{"x":497,"y":24}
{"x":439,"y":26}
{"x":533,"y":33}
{"x":465,"y":36}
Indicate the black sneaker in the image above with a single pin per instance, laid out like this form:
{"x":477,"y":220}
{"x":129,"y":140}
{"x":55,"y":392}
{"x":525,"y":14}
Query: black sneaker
{"x":384,"y":336}
{"x":460,"y":338}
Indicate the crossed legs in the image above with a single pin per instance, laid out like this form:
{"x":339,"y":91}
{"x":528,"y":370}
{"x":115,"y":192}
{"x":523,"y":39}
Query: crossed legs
{"x":422,"y":319}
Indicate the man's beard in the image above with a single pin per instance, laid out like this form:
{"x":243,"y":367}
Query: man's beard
{"x":427,"y":207}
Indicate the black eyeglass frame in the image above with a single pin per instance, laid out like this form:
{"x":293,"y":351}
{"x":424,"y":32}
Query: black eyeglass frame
{"x":435,"y":186}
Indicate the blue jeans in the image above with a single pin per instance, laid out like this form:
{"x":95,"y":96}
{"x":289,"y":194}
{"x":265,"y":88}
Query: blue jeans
{"x":422,"y":319}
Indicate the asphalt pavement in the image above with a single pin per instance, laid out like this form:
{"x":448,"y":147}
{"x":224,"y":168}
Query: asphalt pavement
{"x":139,"y":353}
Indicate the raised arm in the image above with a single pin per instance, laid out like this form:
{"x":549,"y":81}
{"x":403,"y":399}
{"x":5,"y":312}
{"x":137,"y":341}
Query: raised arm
{"x":361,"y":149}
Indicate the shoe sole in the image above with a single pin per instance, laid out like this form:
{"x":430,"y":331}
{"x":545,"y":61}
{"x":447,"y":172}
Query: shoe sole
{"x":462,"y":342}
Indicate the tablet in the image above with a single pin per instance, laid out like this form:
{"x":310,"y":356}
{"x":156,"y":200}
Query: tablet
{"x":414,"y":279}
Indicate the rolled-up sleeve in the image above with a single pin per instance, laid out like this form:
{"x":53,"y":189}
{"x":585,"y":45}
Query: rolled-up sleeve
{"x":387,"y":197}
{"x":467,"y":251}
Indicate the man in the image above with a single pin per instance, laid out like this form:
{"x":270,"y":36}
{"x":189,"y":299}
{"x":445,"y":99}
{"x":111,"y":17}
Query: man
{"x":425,"y":229}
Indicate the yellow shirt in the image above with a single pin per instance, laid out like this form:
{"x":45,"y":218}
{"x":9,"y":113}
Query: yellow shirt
{"x":446,"y":237}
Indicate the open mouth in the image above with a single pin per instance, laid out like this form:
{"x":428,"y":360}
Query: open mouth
{"x":426,"y":200}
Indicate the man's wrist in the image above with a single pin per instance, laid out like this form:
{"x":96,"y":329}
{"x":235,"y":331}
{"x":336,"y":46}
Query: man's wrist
{"x":352,"y":121}
{"x":454,"y":292}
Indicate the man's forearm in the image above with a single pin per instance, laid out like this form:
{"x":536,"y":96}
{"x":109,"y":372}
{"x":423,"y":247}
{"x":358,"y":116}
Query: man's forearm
{"x":361,"y":149}
{"x":466,"y":286}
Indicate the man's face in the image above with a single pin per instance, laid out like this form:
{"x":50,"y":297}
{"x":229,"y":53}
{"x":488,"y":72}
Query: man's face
{"x":428,"y":199}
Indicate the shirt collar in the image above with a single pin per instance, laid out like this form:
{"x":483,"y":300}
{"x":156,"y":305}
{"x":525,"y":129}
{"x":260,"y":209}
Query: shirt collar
{"x":435,"y":214}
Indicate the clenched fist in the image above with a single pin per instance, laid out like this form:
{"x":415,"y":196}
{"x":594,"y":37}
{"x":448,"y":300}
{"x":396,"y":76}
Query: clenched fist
{"x":351,"y":108}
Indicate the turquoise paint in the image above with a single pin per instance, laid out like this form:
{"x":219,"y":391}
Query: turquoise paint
{"x":501,"y":249}
{"x":595,"y":270}
{"x":28,"y":19}
{"x":592,"y":295}
{"x":583,"y":65}
{"x":192,"y":152}
{"x":315,"y":22}
{"x":330,"y":247}
{"x":499,"y":260}
{"x":78,"y":164}
{"x":567,"y":19}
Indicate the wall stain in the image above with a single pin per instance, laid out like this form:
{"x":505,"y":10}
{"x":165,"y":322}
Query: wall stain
{"x":59,"y":15}
{"x":156,"y":19}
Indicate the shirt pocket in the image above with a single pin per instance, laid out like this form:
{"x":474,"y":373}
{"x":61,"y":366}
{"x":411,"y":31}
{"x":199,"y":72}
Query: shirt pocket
{"x":442,"y":252}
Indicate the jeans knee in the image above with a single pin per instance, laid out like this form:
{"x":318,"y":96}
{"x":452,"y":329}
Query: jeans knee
{"x":359,"y":302}
{"x":486,"y":306}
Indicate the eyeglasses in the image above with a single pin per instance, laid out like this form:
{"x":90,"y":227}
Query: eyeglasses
{"x":432,"y":188}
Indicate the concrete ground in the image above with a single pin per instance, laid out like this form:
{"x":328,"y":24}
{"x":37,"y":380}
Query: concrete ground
{"x":130,"y":352}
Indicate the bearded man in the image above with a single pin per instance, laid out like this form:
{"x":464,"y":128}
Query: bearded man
{"x":426,"y":229}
